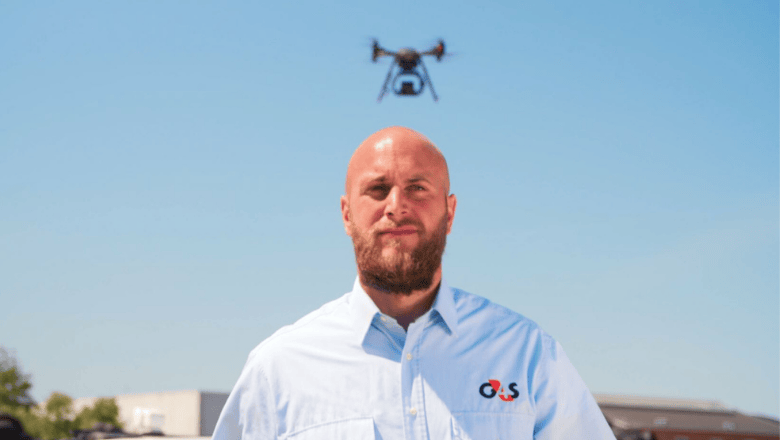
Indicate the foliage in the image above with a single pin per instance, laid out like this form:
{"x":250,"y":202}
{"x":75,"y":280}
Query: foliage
{"x":55,"y":418}
{"x":103,"y":411}
{"x":59,"y":414}
{"x":14,"y":385}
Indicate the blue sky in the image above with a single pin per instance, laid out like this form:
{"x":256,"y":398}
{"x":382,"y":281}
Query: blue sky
{"x":170,"y":175}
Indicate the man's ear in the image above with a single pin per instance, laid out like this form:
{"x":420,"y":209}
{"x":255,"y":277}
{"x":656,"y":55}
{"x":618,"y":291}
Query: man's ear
{"x":345,"y":215}
{"x":452,"y":202}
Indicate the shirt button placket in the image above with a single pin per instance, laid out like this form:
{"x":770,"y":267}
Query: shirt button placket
{"x":416,"y":412}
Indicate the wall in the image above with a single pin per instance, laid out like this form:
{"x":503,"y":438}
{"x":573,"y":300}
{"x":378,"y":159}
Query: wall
{"x":210,"y":407}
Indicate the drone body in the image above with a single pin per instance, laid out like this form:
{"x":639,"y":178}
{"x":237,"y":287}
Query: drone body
{"x":407,"y":60}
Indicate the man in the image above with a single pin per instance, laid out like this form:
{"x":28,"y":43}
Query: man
{"x":405,"y":356}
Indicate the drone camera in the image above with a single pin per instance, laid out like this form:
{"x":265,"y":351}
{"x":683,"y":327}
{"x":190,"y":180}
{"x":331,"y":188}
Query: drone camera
{"x":411,"y":84}
{"x":407,"y":88}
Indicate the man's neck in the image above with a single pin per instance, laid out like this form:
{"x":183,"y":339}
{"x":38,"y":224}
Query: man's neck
{"x":405,"y":308}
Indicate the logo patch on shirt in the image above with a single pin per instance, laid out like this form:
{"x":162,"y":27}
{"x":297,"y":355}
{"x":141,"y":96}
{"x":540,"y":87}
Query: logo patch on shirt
{"x":492,"y":387}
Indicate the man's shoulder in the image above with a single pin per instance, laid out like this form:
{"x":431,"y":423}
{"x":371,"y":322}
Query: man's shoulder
{"x":470,"y":304}
{"x":478,"y":312}
{"x":330,"y":317}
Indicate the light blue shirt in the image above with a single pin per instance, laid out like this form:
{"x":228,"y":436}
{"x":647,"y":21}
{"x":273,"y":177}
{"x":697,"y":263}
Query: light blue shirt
{"x":467,"y":369}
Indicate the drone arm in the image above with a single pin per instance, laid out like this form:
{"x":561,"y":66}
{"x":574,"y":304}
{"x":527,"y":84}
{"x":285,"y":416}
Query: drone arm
{"x":437,"y":51}
{"x":387,"y":81}
{"x":427,"y":79}
{"x":379,"y":52}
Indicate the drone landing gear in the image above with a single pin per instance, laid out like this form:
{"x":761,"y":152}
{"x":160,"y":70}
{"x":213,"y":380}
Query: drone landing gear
{"x":428,"y":80}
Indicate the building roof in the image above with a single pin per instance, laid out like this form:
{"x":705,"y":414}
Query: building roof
{"x":634,"y":412}
{"x":660,"y":402}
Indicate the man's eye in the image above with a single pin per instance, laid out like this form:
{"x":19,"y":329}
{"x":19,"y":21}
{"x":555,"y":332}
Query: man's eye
{"x":378,"y":191}
{"x":416,"y":188}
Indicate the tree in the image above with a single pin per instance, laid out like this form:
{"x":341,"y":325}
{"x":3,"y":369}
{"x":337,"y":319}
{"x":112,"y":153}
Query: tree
{"x":104,"y":411}
{"x":59,"y":414}
{"x":15,"y":398}
{"x":14,"y":385}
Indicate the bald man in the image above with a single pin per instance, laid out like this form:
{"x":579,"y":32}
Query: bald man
{"x":403,"y":355}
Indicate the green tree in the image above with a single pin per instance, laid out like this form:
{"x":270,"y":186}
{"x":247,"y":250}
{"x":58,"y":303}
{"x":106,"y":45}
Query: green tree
{"x":103,"y":411}
{"x":59,"y":414}
{"x":15,"y":396}
{"x":14,"y":385}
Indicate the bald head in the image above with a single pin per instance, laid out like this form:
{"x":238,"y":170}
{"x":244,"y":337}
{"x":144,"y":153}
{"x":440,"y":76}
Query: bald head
{"x":394,"y":147}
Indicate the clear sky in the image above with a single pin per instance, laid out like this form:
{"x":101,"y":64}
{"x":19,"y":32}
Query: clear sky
{"x":170,"y":175}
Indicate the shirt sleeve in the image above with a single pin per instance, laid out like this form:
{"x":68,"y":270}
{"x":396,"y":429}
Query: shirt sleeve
{"x":249,"y":412}
{"x":565,"y":408}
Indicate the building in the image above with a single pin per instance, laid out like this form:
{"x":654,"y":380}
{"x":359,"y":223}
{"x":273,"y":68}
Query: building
{"x":647,"y":418}
{"x":175,"y":413}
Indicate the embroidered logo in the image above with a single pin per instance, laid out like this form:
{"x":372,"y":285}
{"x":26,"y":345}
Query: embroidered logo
{"x":492,"y":387}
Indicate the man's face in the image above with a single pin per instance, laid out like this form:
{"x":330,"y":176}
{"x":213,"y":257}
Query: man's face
{"x":397,"y":211}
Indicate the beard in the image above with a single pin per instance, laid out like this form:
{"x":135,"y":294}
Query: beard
{"x":405,"y":270}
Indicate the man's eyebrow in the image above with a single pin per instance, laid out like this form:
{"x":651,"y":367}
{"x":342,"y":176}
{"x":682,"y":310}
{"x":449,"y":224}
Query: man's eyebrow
{"x":419,"y":178}
{"x":379,"y":179}
{"x":373,"y":180}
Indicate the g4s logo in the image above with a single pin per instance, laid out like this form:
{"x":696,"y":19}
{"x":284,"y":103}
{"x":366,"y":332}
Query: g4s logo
{"x":492,"y":387}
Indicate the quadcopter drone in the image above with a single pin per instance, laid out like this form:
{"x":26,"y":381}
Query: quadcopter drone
{"x":407,"y":60}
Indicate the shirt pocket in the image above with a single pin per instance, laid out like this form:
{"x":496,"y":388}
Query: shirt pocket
{"x":492,"y":426}
{"x":355,"y":429}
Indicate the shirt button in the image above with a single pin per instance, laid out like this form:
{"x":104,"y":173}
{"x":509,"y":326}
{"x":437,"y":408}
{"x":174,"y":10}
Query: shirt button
{"x":383,"y":319}
{"x":408,"y":356}
{"x":413,"y":411}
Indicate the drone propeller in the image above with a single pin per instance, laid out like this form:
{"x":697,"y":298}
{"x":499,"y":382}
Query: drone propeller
{"x":376,"y":50}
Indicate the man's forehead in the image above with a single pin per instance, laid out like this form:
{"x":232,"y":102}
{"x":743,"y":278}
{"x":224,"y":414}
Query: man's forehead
{"x":397,"y":152}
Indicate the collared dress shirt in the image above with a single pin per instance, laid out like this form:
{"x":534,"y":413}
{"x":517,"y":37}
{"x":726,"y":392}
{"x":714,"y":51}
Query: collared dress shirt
{"x":466,"y":369}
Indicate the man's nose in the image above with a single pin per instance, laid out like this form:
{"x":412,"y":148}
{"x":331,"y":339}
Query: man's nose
{"x":396,"y":203}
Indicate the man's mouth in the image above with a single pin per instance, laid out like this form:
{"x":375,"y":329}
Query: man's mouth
{"x":399,"y":232}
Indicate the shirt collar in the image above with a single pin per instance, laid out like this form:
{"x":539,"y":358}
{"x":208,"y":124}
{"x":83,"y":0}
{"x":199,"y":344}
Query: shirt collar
{"x":444,"y":306}
{"x":364,"y":310}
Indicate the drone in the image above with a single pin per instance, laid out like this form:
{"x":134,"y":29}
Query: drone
{"x":407,"y":60}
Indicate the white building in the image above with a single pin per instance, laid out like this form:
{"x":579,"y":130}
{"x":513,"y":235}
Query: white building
{"x":176,"y":413}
